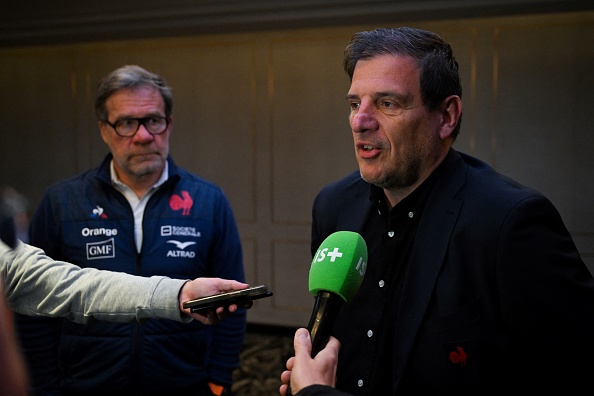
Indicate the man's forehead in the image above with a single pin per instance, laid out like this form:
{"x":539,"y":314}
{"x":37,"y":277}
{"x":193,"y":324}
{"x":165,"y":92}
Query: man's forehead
{"x":144,"y":97}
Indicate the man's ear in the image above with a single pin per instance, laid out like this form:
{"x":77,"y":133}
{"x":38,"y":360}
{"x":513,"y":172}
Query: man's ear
{"x":103,"y":130}
{"x":451,"y":110}
{"x":170,"y":126}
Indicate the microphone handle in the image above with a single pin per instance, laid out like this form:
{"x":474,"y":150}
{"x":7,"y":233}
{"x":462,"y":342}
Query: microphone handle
{"x":322,"y":319}
{"x":321,"y":322}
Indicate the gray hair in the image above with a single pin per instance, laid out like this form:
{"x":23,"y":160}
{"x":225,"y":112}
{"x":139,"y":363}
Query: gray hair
{"x":130,"y":77}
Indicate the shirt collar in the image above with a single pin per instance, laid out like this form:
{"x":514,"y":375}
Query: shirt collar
{"x":118,"y":184}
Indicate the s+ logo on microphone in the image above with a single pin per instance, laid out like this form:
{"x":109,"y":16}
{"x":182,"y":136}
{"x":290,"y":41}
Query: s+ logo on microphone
{"x":321,"y":255}
{"x":361,"y":267}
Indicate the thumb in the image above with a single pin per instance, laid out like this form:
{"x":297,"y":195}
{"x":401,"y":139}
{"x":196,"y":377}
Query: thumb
{"x":302,"y":343}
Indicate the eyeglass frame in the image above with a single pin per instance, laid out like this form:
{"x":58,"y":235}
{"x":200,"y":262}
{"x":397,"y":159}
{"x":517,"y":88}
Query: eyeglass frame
{"x":141,"y":121}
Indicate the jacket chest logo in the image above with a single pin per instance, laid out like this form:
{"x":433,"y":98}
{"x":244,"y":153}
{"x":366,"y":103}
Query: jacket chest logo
{"x":458,"y":356}
{"x":183,"y":202}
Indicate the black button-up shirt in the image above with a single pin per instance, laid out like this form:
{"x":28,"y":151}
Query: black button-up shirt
{"x":368,"y":320}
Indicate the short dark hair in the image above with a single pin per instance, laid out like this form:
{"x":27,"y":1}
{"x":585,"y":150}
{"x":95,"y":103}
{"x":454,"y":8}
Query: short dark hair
{"x":439,"y":69}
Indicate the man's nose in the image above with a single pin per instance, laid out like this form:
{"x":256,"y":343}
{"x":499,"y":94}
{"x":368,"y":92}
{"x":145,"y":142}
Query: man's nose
{"x":143,"y":132}
{"x":364,"y":120}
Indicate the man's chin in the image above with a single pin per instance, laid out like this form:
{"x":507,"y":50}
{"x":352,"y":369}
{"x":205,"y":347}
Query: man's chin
{"x":370,"y":177}
{"x":146,"y":168}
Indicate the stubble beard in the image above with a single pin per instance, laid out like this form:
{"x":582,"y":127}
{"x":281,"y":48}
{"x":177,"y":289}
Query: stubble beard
{"x":398,"y":177}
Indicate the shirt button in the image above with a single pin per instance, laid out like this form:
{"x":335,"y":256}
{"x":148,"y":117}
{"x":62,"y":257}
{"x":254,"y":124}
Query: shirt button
{"x":410,"y":215}
{"x":381,"y":283}
{"x":369,"y":333}
{"x":360,"y":383}
{"x":390,"y":234}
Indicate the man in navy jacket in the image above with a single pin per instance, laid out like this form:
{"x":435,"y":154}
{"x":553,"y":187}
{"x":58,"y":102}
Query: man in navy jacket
{"x":473,"y":284}
{"x":141,"y":214}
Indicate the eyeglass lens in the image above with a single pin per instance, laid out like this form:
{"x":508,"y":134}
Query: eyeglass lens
{"x":129,"y":126}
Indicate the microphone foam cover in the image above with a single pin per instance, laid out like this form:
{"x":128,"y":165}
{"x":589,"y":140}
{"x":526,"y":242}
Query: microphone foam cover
{"x":339,"y":265}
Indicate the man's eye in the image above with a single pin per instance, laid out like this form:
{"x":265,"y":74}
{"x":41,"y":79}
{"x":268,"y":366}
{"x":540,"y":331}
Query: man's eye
{"x":354,"y":105}
{"x":124,"y":123}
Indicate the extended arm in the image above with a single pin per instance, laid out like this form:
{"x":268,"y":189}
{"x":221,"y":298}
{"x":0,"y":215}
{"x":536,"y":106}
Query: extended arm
{"x":36,"y":285}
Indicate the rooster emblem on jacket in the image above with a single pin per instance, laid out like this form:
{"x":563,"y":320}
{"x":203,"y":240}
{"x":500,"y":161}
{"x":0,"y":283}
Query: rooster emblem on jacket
{"x":183,"y":202}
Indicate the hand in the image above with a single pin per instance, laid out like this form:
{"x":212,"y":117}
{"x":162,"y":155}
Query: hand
{"x":303,"y":370}
{"x":203,"y":287}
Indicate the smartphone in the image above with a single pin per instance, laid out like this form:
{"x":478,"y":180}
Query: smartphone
{"x":226,"y":299}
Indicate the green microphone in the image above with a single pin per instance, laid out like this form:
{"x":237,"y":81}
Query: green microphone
{"x":336,"y":273}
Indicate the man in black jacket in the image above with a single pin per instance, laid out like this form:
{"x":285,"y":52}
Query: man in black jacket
{"x":474,"y":285}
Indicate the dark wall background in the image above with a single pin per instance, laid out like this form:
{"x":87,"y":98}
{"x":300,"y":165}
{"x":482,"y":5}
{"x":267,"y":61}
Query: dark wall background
{"x":260,"y":109}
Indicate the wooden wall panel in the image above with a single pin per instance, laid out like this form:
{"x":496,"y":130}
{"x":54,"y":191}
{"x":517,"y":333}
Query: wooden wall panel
{"x":311,"y":143}
{"x":543,"y":137}
{"x":39,"y":137}
{"x":264,"y":116}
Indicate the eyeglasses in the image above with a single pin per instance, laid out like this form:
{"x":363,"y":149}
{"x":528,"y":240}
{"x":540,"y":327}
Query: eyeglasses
{"x":127,"y":127}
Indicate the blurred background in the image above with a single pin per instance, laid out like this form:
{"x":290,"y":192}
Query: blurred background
{"x":260,"y":109}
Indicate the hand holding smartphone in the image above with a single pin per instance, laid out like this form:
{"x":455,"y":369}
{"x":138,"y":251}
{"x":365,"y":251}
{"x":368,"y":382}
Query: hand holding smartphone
{"x":238,"y":297}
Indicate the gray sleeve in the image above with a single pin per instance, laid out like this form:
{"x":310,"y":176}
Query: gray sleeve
{"x":36,"y":285}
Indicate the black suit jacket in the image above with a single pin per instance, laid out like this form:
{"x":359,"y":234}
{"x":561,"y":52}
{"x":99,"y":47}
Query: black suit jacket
{"x":493,"y":271}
